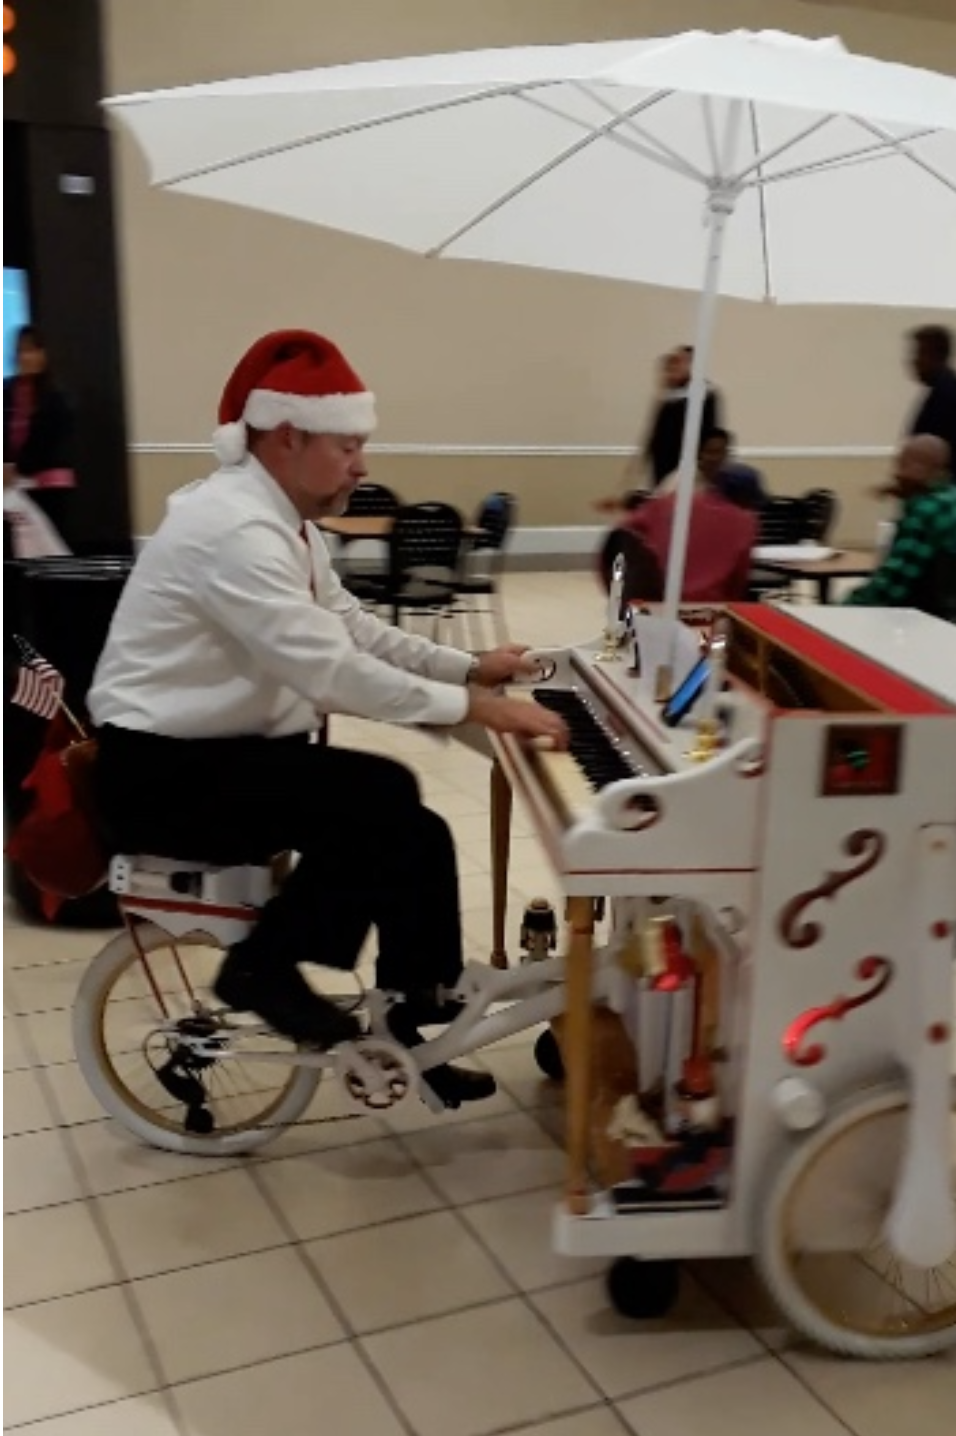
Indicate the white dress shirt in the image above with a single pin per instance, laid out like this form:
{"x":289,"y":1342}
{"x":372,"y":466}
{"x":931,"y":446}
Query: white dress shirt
{"x":233,"y":624}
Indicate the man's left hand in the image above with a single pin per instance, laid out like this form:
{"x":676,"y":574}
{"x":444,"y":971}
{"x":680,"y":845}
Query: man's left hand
{"x":499,"y":665}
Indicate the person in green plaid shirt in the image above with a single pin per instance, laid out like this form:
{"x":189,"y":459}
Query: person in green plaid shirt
{"x":920,"y":569}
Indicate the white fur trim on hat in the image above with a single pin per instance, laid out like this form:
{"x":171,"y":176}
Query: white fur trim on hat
{"x":316,"y":414}
{"x":229,"y":443}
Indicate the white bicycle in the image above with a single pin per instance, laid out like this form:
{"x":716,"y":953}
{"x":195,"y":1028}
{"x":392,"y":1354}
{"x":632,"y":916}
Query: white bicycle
{"x":183,"y":1073}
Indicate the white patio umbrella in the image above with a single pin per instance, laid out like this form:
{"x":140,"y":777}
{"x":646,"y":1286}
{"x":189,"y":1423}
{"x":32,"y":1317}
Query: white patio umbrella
{"x":839,"y":171}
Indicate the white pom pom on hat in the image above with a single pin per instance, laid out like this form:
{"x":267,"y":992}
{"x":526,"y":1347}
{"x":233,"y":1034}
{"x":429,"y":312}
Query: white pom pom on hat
{"x":292,"y":376}
{"x":229,"y":443}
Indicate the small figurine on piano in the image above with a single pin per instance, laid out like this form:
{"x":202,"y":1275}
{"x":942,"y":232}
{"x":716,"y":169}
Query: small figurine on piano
{"x":539,"y":930}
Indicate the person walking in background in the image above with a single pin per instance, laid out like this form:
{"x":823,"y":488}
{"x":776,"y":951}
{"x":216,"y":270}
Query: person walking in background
{"x":658,"y":454}
{"x":38,"y":431}
{"x":665,"y":430}
{"x":931,"y":355}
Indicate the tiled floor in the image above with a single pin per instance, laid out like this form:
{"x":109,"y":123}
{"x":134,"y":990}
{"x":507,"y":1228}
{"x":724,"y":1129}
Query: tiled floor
{"x":366,"y":1279}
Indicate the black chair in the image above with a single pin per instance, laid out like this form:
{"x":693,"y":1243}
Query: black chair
{"x":482,"y":564}
{"x":367,"y":577}
{"x":425,"y":560}
{"x":822,"y":509}
{"x":781,"y":519}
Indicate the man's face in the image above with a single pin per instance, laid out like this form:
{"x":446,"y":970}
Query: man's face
{"x":323,"y":471}
{"x":910,"y":472}
{"x":31,"y":358}
{"x":713,"y":457}
{"x":680,"y":368}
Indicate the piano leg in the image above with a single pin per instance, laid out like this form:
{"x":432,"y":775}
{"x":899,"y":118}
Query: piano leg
{"x":500,"y":857}
{"x":577,"y":1048}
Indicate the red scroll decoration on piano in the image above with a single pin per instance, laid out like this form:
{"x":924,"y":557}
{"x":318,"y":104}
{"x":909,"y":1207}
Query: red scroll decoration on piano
{"x":865,"y":843}
{"x":878,"y":971}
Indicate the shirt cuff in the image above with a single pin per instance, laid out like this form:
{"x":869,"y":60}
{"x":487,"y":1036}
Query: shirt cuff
{"x":449,"y":706}
{"x":450,"y":665}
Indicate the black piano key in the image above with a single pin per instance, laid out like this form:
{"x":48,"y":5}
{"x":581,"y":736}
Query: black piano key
{"x":592,"y":747}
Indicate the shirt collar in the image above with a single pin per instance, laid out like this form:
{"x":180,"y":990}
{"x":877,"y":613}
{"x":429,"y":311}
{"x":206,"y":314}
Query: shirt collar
{"x":275,"y":496}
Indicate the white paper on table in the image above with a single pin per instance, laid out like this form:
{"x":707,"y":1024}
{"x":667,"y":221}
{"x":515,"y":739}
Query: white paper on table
{"x":792,"y":552}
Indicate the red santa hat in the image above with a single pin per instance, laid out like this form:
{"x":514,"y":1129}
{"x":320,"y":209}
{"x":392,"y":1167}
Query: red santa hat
{"x":291,"y":377}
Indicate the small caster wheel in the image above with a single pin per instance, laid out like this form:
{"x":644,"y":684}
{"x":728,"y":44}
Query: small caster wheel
{"x":547,"y":1054}
{"x":642,"y":1289}
{"x":199,"y":1120}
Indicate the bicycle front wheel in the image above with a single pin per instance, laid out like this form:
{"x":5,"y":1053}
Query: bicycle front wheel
{"x":822,"y":1249}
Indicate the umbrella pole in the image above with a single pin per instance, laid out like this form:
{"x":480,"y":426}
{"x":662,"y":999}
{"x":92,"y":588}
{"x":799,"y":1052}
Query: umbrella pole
{"x":721,"y":206}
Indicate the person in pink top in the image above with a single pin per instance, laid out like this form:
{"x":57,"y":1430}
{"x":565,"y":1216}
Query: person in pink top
{"x":38,"y":431}
{"x":721,"y":533}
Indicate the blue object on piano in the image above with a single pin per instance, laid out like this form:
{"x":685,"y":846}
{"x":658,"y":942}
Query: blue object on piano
{"x":682,"y":701}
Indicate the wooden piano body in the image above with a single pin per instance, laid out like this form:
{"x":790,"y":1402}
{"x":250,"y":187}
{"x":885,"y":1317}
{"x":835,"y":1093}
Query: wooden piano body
{"x":819,"y":840}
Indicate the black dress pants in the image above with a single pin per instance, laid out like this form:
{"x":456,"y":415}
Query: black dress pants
{"x":370,"y":852}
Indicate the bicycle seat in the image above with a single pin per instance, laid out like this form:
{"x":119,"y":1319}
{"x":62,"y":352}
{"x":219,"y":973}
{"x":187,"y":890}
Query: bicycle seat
{"x":177,"y":881}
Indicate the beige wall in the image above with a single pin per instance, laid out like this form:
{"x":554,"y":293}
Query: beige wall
{"x":466,"y":354}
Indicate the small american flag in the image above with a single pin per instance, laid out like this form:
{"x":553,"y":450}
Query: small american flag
{"x":39,"y":686}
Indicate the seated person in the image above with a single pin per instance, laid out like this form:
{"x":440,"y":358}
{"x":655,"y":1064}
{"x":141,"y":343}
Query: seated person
{"x":919,"y":570}
{"x":720,"y":537}
{"x":741,"y":485}
{"x":232,"y":640}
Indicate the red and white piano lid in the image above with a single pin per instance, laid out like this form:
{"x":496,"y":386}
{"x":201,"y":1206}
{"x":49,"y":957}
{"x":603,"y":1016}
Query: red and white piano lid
{"x":905,"y":661}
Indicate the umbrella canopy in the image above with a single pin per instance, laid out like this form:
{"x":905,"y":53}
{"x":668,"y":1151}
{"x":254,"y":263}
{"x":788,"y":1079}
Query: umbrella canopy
{"x":839,"y":171}
{"x":598,"y":159}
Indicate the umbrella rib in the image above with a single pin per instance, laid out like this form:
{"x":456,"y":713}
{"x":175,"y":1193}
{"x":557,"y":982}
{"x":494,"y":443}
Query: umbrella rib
{"x":676,"y":160}
{"x":625,"y":141}
{"x":817,"y":167}
{"x":436,"y":251}
{"x":760,"y":160}
{"x":354,"y":128}
{"x":899,"y":147}
{"x":708,"y":113}
{"x":762,"y":206}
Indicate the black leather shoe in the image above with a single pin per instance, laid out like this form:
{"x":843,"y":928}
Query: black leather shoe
{"x":281,"y":996}
{"x":456,"y":1085}
{"x":452,"y":1085}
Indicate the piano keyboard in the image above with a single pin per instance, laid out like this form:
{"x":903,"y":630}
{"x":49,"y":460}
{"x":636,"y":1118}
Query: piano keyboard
{"x":596,"y":756}
{"x":593,"y":746}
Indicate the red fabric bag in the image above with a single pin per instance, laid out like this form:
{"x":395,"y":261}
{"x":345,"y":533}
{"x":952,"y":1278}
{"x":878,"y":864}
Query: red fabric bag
{"x":57,"y":843}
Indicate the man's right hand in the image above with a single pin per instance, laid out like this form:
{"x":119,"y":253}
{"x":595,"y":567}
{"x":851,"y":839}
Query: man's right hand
{"x":515,"y":715}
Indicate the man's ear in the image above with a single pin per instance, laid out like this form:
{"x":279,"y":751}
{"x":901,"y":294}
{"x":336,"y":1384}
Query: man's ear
{"x":288,"y":436}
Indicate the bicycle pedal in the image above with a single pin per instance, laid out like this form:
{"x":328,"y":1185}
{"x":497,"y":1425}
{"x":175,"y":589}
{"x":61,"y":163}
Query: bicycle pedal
{"x":179,"y":1084}
{"x":199,"y":1120}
